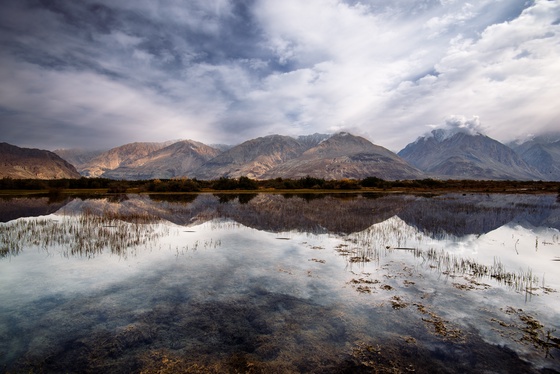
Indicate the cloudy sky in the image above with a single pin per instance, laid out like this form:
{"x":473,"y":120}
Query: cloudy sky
{"x":103,"y":73}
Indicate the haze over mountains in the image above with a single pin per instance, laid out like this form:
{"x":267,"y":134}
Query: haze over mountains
{"x":442,"y":154}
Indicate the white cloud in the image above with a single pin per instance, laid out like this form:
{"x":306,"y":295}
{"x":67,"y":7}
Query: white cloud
{"x":457,"y":124}
{"x":384,"y":73}
{"x":504,"y":76}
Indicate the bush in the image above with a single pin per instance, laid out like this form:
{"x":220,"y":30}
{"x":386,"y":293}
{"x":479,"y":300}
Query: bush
{"x":310,"y":182}
{"x":245,"y":183}
{"x":348,"y":184}
{"x":225,"y":184}
{"x":373,"y":182}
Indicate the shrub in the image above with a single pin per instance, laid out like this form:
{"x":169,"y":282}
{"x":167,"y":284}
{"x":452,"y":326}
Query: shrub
{"x":225,"y":184}
{"x":310,"y":182}
{"x":245,"y":183}
{"x":348,"y":184}
{"x":373,"y":182}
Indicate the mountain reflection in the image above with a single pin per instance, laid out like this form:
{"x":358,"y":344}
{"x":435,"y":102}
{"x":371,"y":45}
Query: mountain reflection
{"x":477,"y":214}
{"x":16,"y":207}
{"x":452,"y":214}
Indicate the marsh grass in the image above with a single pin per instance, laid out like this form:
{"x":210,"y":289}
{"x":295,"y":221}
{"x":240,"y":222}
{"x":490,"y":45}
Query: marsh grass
{"x":85,"y":235}
{"x":379,"y":241}
{"x":449,"y":264}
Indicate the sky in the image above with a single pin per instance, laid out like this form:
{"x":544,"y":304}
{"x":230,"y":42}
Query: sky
{"x":98,"y":74}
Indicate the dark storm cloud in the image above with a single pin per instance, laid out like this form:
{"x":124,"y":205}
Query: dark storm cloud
{"x":67,"y":33}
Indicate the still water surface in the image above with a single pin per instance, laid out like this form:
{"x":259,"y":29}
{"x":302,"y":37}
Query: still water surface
{"x":273,"y":283}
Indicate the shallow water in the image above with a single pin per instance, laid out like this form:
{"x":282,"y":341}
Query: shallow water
{"x":272,"y":283}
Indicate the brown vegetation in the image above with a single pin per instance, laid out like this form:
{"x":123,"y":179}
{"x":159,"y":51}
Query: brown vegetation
{"x":369,"y":184}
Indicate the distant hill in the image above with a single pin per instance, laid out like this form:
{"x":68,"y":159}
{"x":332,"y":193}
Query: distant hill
{"x":179,"y":159}
{"x":344,"y":155}
{"x":23,"y":163}
{"x":77,"y":156}
{"x":466,"y":156}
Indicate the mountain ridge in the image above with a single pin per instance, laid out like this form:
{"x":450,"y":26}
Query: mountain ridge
{"x":32,"y":163}
{"x":441,"y":155}
{"x":176,"y":160}
{"x":251,"y":158}
{"x":543,"y":154}
{"x":344,"y":155}
{"x":119,"y":156}
{"x":467,"y":156}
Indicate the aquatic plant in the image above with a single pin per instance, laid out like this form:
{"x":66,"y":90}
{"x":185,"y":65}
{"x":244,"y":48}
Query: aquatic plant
{"x":379,"y":241}
{"x":86,"y":234}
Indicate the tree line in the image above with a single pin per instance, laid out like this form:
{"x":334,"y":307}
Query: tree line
{"x":245,"y":183}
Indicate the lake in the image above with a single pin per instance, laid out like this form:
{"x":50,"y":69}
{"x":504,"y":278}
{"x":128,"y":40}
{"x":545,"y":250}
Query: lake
{"x":271,"y":283}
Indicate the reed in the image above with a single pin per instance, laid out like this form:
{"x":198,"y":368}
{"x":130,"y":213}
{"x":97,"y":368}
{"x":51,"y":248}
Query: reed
{"x":86,"y":234}
{"x":378,"y":241}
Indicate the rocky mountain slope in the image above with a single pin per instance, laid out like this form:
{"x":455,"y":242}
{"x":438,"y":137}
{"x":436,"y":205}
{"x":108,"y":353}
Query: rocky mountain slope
{"x":330,"y":157}
{"x":117,"y":157}
{"x":345,"y":156}
{"x":179,"y":159}
{"x":252,"y":158}
{"x":22,"y":163}
{"x":313,"y":140}
{"x":466,"y":156}
{"x":543,"y":154}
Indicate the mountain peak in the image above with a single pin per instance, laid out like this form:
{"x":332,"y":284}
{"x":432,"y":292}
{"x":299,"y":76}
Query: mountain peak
{"x":441,"y":135}
{"x":344,"y":155}
{"x":252,"y":158}
{"x":466,"y":155}
{"x":455,"y":125}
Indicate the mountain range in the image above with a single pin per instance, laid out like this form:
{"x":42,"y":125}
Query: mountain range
{"x":441,"y":154}
{"x":438,"y":217}
{"x":337,"y":156}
